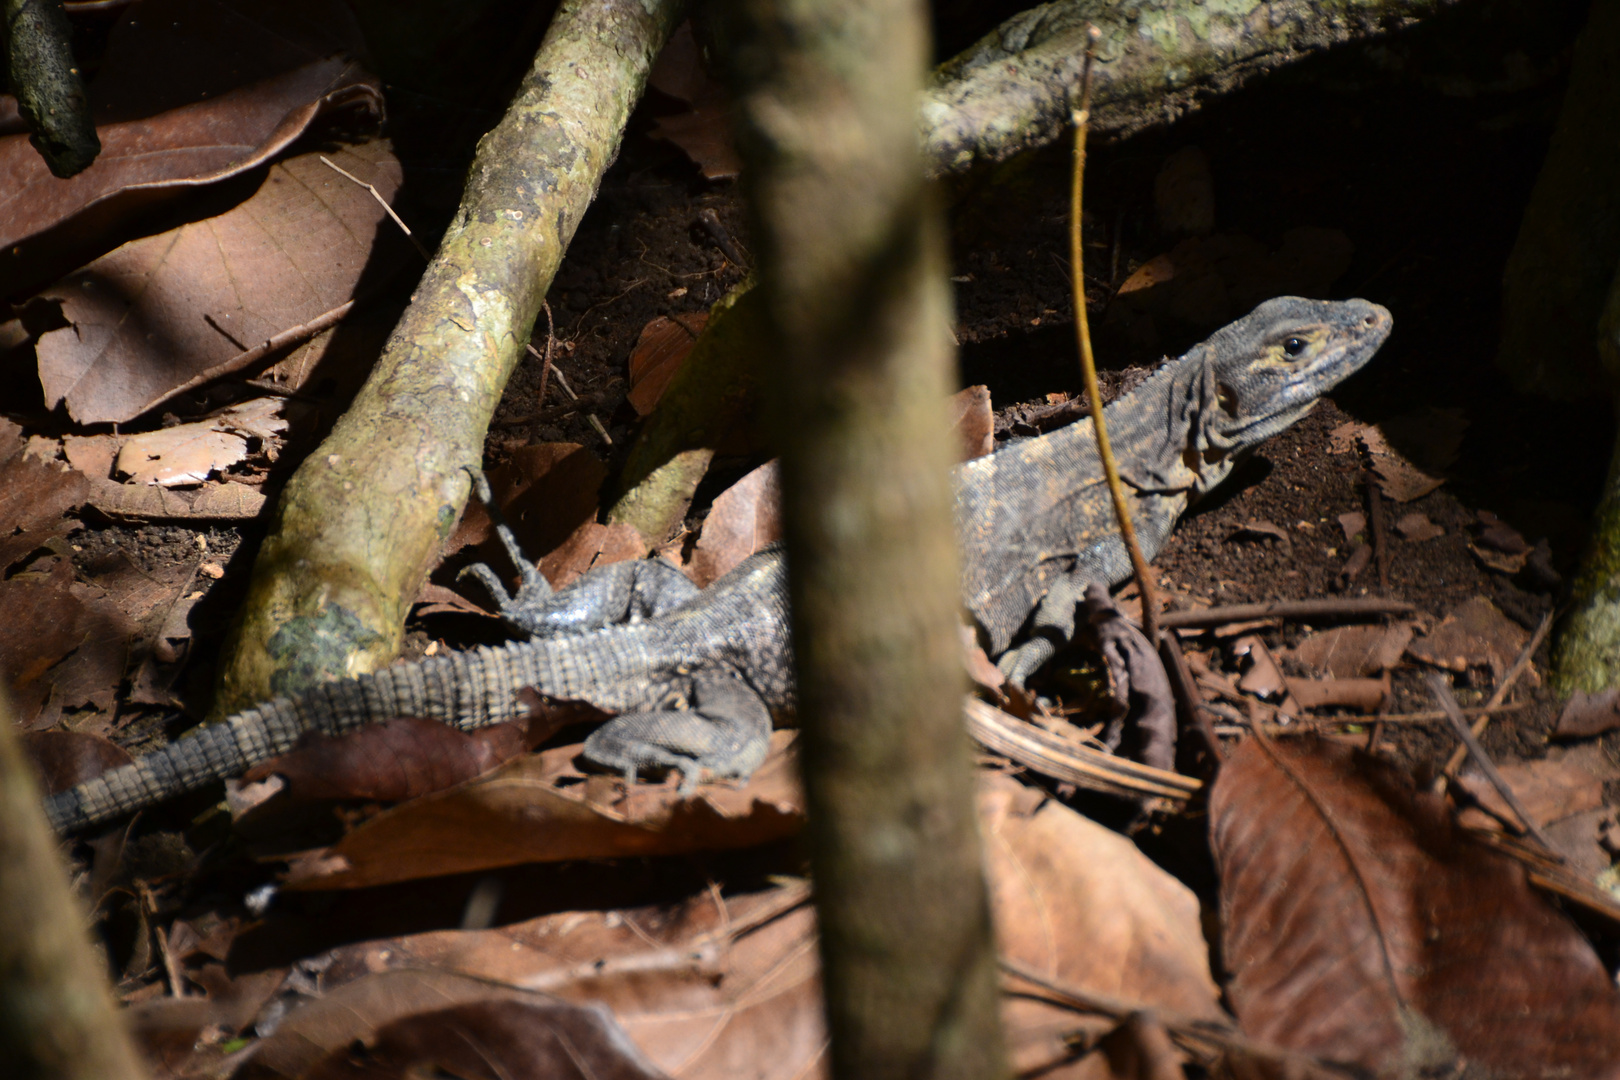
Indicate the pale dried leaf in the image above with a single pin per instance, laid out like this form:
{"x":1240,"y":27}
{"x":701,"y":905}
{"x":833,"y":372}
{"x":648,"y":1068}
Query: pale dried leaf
{"x":1416,"y":526}
{"x":179,"y":456}
{"x":161,"y":311}
{"x":1473,"y":634}
{"x":746,"y":517}
{"x":1345,"y":652}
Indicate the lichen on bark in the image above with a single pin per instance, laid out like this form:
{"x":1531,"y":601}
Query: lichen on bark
{"x":361,"y":522}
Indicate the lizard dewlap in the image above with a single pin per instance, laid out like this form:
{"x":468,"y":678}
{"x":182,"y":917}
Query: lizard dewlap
{"x":1033,"y":519}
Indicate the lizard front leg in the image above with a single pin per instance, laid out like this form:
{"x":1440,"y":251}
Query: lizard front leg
{"x":725,"y":732}
{"x":1051,"y":628}
{"x":622,"y":592}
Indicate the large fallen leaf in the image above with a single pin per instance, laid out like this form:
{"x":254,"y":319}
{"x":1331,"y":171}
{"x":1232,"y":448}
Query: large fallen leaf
{"x":663,"y":347}
{"x":702,"y":130}
{"x":165,"y":311}
{"x":189,"y":92}
{"x":538,"y":809}
{"x":1361,"y":925}
{"x":1080,"y":904}
{"x":545,"y":492}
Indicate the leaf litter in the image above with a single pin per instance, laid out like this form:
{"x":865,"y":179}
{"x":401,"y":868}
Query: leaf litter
{"x":1152,"y":925}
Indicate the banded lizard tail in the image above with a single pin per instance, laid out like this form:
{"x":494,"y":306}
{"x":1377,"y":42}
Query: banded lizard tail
{"x":697,"y":675}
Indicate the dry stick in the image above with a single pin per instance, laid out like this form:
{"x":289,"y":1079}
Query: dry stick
{"x":1375,"y":518}
{"x":1454,"y":762}
{"x":1282,"y":609}
{"x":382,"y":202}
{"x":1088,"y":364}
{"x":1443,"y":696}
{"x":249,"y":357}
{"x":1187,"y":695}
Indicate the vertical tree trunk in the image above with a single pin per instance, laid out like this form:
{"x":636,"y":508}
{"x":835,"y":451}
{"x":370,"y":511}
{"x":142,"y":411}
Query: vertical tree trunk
{"x":852,"y":275}
{"x":57,"y":1020}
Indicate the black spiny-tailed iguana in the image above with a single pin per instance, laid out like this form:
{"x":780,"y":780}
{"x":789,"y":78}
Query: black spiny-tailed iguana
{"x":1035,"y":525}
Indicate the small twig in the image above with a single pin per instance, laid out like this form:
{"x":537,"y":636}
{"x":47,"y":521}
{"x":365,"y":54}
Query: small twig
{"x":1375,"y":518}
{"x":1443,"y":696}
{"x":551,"y":345}
{"x":382,"y":202}
{"x":1498,"y":696}
{"x":1088,"y":363}
{"x":252,"y":356}
{"x":591,"y":419}
{"x":1206,"y":618}
{"x":721,"y":236}
{"x":1187,"y":695}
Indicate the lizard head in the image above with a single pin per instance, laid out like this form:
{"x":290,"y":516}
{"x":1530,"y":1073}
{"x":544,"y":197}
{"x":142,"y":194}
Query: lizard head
{"x":1273,"y":365}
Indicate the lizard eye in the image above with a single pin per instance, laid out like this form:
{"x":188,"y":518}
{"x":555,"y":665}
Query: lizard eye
{"x":1294,"y":346}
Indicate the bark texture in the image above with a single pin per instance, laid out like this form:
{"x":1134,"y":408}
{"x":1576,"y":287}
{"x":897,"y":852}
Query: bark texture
{"x":57,"y":1017}
{"x":1013,"y":90}
{"x":1568,"y":246}
{"x":45,"y":79}
{"x":852,"y":277}
{"x":361,"y":522}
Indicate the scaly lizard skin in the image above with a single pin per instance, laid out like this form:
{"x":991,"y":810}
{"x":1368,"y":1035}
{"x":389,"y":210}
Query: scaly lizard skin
{"x":697,"y":675}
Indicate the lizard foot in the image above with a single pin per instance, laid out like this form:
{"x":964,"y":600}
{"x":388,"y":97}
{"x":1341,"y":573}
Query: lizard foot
{"x":725,"y":734}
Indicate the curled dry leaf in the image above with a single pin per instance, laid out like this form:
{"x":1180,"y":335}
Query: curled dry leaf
{"x":973,"y":421}
{"x":1361,"y":925}
{"x":189,"y":93}
{"x":166,"y":310}
{"x":538,"y":809}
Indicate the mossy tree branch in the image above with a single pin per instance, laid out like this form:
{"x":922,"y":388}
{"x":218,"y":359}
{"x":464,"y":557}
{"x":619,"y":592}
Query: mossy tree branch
{"x":362,"y":521}
{"x":45,"y":79}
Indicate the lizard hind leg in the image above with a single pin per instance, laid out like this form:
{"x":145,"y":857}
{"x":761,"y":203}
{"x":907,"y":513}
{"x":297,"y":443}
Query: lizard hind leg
{"x":725,"y":734}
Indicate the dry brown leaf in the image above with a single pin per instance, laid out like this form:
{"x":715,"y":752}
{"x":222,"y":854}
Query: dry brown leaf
{"x":1081,"y":905}
{"x":973,"y":421}
{"x":710,"y":987}
{"x":538,"y":809}
{"x":1400,"y":479}
{"x":228,"y":501}
{"x":662,"y":348}
{"x":1264,"y":678}
{"x":1568,"y":781}
{"x":62,"y":645}
{"x":181,"y":456}
{"x":92,"y":455}
{"x":1354,"y":523}
{"x":1416,"y":526}
{"x":746,"y":517}
{"x":703,"y":129}
{"x":66,"y":758}
{"x":1346,"y":652}
{"x":495,"y":1040}
{"x":34,"y":496}
{"x":1362,"y":926}
{"x":1473,"y":634}
{"x":189,"y":92}
{"x":162,"y":311}
{"x":309,"y":1040}
{"x":545,"y":492}
{"x":1429,"y":437}
{"x":1364,"y":694}
{"x":592,"y":545}
{"x":1585,"y":715}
